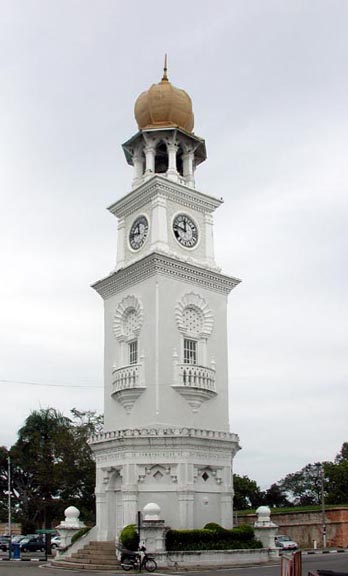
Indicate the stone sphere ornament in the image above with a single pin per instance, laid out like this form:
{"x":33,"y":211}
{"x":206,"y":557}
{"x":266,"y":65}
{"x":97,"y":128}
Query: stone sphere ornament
{"x":72,"y":516}
{"x":151,"y":511}
{"x":263,"y":514}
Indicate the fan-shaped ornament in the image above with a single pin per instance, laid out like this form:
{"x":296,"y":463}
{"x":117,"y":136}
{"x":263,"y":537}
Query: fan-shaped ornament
{"x":128,"y":318}
{"x":193,"y":316}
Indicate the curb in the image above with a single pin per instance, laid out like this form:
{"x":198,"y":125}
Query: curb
{"x":334,"y":551}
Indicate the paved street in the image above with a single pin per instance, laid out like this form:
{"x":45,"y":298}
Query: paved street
{"x":333,"y":561}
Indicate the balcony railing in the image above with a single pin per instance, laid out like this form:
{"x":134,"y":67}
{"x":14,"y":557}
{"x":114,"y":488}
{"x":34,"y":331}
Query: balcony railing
{"x":127,"y":385}
{"x":126,"y":377}
{"x":195,"y":383}
{"x":196,"y":377}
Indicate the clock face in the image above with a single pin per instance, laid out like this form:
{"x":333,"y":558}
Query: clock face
{"x":138,"y":232}
{"x":185,"y":231}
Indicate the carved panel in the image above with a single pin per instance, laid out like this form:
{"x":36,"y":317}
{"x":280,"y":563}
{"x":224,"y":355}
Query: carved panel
{"x":128,"y":318}
{"x":193,"y":316}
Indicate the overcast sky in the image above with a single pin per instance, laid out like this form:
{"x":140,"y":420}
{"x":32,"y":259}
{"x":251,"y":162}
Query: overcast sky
{"x":268,"y":80}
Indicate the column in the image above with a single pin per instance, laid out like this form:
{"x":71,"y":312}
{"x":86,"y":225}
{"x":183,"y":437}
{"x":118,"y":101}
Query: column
{"x":188,"y":168}
{"x":149,"y":160}
{"x":172,"y":172}
{"x":100,"y":501}
{"x":101,"y":517}
{"x":138,"y":167}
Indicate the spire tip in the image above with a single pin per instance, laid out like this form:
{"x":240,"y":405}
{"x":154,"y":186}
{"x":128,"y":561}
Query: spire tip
{"x":165,"y":77}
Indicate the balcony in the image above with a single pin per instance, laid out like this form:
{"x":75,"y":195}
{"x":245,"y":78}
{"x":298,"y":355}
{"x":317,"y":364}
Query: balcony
{"x":195,"y":383}
{"x":127,"y":385}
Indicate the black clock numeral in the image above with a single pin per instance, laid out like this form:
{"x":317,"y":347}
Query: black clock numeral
{"x":138,"y":232}
{"x":185,"y":231}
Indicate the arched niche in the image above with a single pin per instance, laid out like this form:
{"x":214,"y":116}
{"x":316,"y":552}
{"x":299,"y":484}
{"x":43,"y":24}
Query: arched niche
{"x":180,"y":161}
{"x":161,"y":158}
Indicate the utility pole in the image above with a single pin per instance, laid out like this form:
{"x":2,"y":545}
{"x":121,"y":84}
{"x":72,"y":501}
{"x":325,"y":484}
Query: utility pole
{"x":9,"y":505}
{"x":323,"y":518}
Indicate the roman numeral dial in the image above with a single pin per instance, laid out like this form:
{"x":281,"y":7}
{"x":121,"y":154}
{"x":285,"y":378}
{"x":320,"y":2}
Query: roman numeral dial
{"x":138,"y":232}
{"x":185,"y":231}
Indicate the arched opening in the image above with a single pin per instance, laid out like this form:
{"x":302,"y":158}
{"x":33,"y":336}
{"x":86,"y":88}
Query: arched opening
{"x":179,"y":161}
{"x":161,"y":158}
{"x":143,"y":158}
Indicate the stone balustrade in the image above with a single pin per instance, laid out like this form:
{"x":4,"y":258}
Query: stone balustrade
{"x":159,"y":431}
{"x":196,"y":376}
{"x":126,"y":377}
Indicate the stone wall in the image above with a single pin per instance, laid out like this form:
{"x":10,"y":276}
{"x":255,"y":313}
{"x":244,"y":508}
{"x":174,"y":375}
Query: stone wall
{"x":15,"y":528}
{"x":215,"y":558}
{"x":306,"y":527}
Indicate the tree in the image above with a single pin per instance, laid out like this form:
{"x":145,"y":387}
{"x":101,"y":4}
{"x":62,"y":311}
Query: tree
{"x":343,"y":454}
{"x":38,"y":459}
{"x":303,"y":487}
{"x":51,"y":467}
{"x":80,"y":483}
{"x":275,"y":497}
{"x":336,"y":475}
{"x":247,"y":493}
{"x":3,"y":484}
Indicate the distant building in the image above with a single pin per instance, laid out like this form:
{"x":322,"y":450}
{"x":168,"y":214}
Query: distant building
{"x":166,"y":436}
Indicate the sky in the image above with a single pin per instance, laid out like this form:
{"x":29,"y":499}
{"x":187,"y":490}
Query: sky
{"x":269,"y":85}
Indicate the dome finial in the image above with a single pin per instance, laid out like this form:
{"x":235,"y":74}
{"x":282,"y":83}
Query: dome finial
{"x":165,"y":77}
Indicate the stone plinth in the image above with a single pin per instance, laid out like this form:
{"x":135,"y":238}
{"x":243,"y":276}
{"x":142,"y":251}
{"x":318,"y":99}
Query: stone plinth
{"x":265,"y":530}
{"x":68,"y":527}
{"x":153,"y":530}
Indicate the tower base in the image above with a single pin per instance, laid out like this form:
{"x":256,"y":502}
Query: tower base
{"x":186,"y":471}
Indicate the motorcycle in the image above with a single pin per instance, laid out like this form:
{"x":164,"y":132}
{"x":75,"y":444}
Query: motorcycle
{"x":138,"y":560}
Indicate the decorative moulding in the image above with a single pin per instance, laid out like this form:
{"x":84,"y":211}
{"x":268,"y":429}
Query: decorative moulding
{"x":195,"y":396}
{"x":128,"y":396}
{"x":163,"y":432}
{"x":184,"y":195}
{"x":127,"y":304}
{"x":195,"y":301}
{"x":160,"y":264}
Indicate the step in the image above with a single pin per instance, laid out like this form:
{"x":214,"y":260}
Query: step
{"x":72,"y":565}
{"x":109,"y":543}
{"x":106,"y":553}
{"x":93,"y":556}
{"x":94,"y":560}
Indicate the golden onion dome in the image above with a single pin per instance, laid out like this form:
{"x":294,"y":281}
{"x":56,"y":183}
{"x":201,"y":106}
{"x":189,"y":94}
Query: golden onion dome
{"x":163,"y":106}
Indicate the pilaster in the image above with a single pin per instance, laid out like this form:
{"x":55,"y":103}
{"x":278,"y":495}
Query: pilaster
{"x":130,"y":505}
{"x":209,"y":238}
{"x":159,"y":229}
{"x":186,"y":504}
{"x":121,"y":243}
{"x":226,"y":510}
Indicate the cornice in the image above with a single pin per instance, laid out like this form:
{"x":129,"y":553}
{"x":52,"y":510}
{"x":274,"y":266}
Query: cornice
{"x":159,"y":264}
{"x":167,"y":438}
{"x":159,"y":185}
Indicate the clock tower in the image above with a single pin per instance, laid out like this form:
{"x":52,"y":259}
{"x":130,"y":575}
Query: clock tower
{"x":166,"y":435}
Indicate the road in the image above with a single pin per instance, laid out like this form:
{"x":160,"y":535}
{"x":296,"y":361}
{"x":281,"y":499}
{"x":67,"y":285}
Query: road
{"x":333,"y":561}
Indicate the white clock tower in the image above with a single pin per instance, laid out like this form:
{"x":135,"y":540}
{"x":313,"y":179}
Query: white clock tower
{"x":166,"y":435}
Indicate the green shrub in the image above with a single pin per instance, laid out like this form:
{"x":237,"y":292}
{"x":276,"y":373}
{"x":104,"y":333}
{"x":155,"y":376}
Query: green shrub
{"x":214,"y":527}
{"x":129,"y":537}
{"x":244,"y":532}
{"x":238,"y":538}
{"x":80,"y":533}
